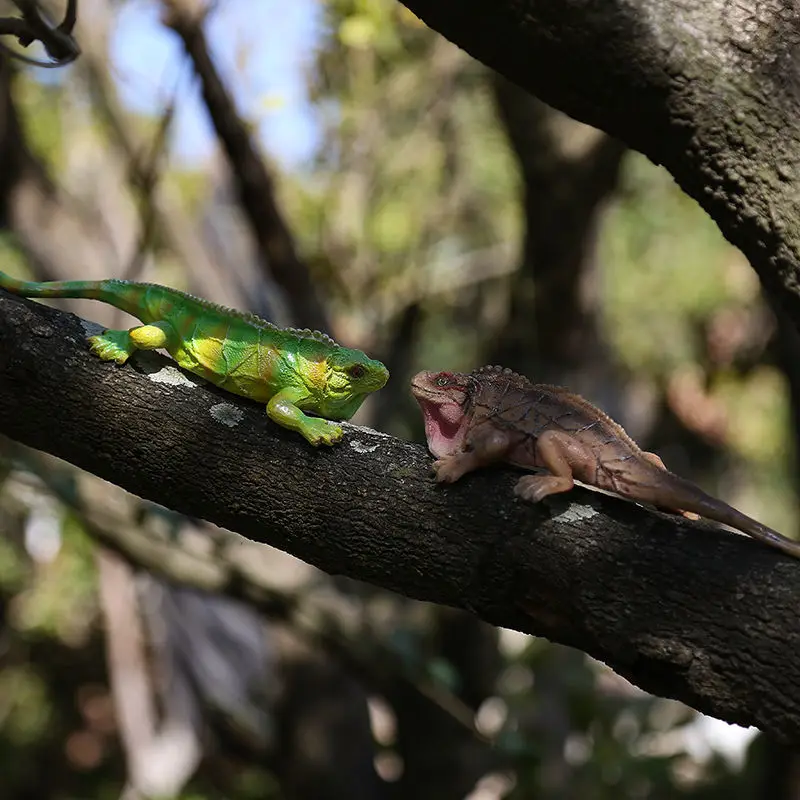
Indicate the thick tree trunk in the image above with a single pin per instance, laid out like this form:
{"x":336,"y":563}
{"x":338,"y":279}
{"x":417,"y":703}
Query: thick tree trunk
{"x":554,"y":329}
{"x":707,"y":88}
{"x":704,"y":616}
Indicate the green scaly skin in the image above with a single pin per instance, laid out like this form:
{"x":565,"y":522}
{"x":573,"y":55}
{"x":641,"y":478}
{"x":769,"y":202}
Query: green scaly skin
{"x":292,"y":371}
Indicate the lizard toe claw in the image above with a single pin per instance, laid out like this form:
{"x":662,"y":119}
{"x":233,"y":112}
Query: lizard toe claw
{"x":447,"y":470}
{"x":534,"y":488}
{"x":328,"y":438}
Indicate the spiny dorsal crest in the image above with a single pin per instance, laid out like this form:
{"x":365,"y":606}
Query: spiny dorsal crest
{"x":307,"y":333}
{"x":247,"y":316}
{"x":493,"y":370}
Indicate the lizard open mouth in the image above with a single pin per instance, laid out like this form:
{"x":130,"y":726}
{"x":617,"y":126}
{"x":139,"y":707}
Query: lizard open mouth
{"x":445,"y":426}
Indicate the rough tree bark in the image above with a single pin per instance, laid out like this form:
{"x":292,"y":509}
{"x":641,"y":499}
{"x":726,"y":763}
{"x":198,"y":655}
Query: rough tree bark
{"x":707,"y":88}
{"x":684,"y":611}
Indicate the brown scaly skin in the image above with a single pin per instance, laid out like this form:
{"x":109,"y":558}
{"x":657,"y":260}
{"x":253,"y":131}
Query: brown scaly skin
{"x":494,"y":415}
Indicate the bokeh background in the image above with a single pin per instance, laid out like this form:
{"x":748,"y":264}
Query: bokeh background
{"x":442,"y":218}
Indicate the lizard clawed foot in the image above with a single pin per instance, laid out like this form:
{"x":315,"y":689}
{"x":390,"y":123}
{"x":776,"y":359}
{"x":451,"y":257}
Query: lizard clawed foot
{"x":450,"y":468}
{"x":676,"y":511}
{"x":320,"y":431}
{"x":535,"y":488}
{"x":112,"y":346}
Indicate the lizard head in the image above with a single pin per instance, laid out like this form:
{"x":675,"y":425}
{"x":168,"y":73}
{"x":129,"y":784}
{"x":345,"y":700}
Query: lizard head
{"x":350,"y":376}
{"x":444,"y":399}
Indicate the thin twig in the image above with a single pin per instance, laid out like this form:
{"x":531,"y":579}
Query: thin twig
{"x":32,"y":26}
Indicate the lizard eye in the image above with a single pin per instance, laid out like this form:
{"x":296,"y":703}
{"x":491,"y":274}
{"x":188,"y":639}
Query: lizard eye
{"x":356,"y":371}
{"x":443,"y":380}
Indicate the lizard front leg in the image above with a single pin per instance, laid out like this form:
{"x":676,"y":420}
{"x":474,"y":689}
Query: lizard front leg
{"x":283,"y":410}
{"x":484,"y":446}
{"x":558,"y":453}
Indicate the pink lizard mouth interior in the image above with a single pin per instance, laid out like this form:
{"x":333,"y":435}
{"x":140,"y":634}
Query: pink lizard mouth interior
{"x":445,"y":425}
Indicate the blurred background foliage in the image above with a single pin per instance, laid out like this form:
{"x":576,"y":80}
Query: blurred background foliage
{"x":445,"y":219}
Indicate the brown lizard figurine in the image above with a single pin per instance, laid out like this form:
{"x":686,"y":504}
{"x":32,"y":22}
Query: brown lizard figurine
{"x":494,"y":415}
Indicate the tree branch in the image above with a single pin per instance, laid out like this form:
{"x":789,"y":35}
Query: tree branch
{"x":254,"y":183}
{"x":57,"y":40}
{"x":707,"y":89}
{"x":684,"y":611}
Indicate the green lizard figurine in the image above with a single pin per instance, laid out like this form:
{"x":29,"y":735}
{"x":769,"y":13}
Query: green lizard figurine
{"x":292,"y":371}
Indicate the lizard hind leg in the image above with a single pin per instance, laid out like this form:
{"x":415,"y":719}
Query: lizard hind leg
{"x":112,"y":346}
{"x":119,"y":346}
{"x":655,"y":459}
{"x":557,"y":453}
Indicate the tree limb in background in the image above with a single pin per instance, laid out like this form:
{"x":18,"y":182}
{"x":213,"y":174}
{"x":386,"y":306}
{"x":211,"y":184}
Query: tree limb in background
{"x":569,"y":172}
{"x":180,"y":233}
{"x":57,"y":40}
{"x":399,"y":359}
{"x":323,"y":624}
{"x":706,"y":89}
{"x":41,"y":214}
{"x":146,"y":182}
{"x":256,"y":189}
{"x":585,"y":570}
{"x":128,"y":671}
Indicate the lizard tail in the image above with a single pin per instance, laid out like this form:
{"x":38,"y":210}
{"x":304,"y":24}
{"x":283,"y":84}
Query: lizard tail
{"x":124,"y":295}
{"x":689,"y":497}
